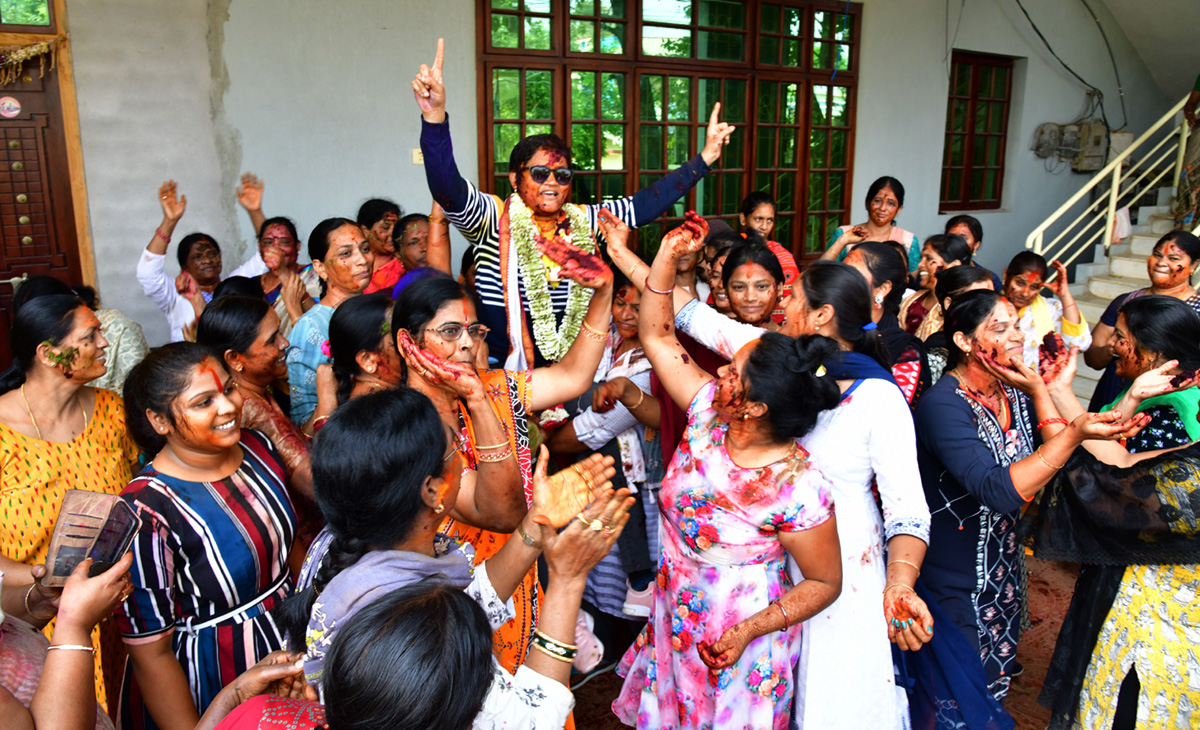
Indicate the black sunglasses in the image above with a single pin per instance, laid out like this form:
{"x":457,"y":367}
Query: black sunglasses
{"x":540,"y":174}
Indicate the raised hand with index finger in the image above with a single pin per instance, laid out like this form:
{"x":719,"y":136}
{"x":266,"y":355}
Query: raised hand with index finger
{"x":429,"y":88}
{"x":716,"y":137}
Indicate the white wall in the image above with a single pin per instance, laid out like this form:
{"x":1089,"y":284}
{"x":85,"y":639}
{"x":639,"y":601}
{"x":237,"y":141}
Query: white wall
{"x":904,"y":85}
{"x":314,"y":97}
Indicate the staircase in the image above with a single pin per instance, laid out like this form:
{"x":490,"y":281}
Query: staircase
{"x":1119,"y":270}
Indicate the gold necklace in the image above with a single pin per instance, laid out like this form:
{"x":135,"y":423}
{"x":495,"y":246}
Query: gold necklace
{"x":34,"y":420}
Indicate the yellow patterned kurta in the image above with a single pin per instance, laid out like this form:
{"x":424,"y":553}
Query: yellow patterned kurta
{"x":34,"y":477}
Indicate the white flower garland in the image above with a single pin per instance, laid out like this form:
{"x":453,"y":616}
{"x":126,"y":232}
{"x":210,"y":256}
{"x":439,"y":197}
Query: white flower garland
{"x":553,"y":343}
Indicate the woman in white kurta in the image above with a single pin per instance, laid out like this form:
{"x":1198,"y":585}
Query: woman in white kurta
{"x":868,"y":439}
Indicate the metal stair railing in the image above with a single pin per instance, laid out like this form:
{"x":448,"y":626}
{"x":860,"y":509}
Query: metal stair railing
{"x":1151,"y":159}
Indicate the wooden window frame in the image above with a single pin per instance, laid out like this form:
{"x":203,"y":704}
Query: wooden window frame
{"x":634,"y":63}
{"x":971,"y":136}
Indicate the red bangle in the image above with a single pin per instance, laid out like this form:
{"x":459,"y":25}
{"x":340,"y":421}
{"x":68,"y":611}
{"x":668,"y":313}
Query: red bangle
{"x":1049,"y":421}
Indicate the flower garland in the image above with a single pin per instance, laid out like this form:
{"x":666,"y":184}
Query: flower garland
{"x":553,"y":343}
{"x":13,"y":58}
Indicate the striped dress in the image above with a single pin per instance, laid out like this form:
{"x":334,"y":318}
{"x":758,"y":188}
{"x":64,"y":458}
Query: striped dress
{"x":210,"y":562}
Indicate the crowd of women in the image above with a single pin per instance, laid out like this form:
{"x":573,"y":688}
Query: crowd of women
{"x":374,"y":496}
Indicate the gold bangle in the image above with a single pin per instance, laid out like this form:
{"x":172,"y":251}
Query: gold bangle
{"x":29,"y":611}
{"x":547,"y":652}
{"x":592,"y":332}
{"x":906,"y":562}
{"x":890,"y":586}
{"x":437,"y":220}
{"x":633,"y":268}
{"x":787,"y":622}
{"x":525,"y":538}
{"x":493,"y":446}
{"x":494,"y":458}
{"x":1038,"y":452}
{"x":552,"y":640}
{"x":71,"y":647}
{"x":641,"y":397}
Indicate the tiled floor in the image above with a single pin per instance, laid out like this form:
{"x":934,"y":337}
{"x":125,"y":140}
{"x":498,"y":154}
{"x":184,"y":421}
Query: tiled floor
{"x":1050,"y":586}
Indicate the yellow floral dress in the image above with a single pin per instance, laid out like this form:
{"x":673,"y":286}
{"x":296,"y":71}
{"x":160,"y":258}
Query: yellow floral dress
{"x":34,"y":477}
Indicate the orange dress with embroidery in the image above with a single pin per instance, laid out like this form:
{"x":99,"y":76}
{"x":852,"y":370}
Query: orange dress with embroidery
{"x":34,"y":477}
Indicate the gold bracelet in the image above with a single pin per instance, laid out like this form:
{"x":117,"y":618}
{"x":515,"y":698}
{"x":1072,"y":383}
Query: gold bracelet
{"x":494,"y":458}
{"x":549,"y":653}
{"x":906,"y":562}
{"x":592,"y":332}
{"x":890,"y":586}
{"x":525,"y":538}
{"x":552,"y":640}
{"x":1038,"y":451}
{"x":787,"y":622}
{"x":633,"y":268}
{"x":641,"y":397}
{"x":493,"y":446}
{"x":29,"y":611}
{"x":71,"y":647}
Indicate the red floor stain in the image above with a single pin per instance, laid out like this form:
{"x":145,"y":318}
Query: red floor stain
{"x":1050,"y":587}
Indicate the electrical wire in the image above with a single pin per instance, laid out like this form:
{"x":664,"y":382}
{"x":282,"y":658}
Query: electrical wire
{"x":1113,"y":59}
{"x":951,"y":41}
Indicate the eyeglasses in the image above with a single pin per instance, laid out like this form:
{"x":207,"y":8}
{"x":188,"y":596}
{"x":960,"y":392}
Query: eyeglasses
{"x":452,"y":332}
{"x":540,"y":174}
{"x":281,"y":242}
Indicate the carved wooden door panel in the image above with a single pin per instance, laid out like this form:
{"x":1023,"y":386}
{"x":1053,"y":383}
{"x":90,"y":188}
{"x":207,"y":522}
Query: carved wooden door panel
{"x":37,"y":222}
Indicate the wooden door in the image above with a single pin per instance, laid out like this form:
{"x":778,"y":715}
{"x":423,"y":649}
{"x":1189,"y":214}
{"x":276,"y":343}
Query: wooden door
{"x":37,"y":220}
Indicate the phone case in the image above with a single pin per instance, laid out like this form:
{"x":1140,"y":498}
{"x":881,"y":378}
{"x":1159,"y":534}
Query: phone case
{"x":89,"y":525}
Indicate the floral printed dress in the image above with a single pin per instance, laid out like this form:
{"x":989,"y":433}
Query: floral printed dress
{"x":721,"y":563}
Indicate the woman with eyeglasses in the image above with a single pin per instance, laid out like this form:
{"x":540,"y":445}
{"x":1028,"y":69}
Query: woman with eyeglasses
{"x":436,"y":325}
{"x":885,"y":200}
{"x":284,"y":290}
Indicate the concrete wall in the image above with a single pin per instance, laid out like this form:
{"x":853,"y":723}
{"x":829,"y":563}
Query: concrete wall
{"x":904,"y":85}
{"x":314,"y":97}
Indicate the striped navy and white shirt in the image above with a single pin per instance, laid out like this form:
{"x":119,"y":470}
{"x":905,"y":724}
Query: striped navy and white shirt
{"x":477,"y":216}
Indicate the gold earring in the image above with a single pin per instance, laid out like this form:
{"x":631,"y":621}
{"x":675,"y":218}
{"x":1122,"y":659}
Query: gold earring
{"x":438,"y":509}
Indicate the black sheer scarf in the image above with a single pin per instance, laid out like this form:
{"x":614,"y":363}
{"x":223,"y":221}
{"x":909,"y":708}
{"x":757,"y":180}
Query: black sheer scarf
{"x":1108,"y":518}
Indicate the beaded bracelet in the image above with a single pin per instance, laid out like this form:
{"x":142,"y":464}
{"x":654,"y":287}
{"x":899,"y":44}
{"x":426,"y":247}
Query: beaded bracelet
{"x":1049,"y":421}
{"x":494,"y":458}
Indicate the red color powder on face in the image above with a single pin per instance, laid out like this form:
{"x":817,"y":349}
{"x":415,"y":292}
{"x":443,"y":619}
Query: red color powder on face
{"x":213,"y":373}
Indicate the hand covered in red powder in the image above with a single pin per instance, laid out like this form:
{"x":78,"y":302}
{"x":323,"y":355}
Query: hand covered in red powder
{"x":458,"y":378}
{"x":1110,"y":426}
{"x":1056,"y":361}
{"x":910,"y":625}
{"x":687,"y":238}
{"x":579,"y":266}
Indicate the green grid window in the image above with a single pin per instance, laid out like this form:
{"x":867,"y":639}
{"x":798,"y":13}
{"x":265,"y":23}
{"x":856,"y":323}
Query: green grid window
{"x":832,"y":35}
{"x":828,"y":164}
{"x":25,"y":12}
{"x":710,"y":30}
{"x":780,"y":35}
{"x":598,"y":132}
{"x":598,"y":26}
{"x":521,"y":24}
{"x":976,"y":129}
{"x":778,"y":128}
{"x":522,"y":104}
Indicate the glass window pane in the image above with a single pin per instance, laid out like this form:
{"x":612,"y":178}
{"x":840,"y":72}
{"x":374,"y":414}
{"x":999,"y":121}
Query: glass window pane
{"x":716,"y":46}
{"x":731,"y":193}
{"x":820,"y":106}
{"x":975,"y":191}
{"x":842,"y":27}
{"x":500,"y":4}
{"x":583,"y":95}
{"x":816,"y":191}
{"x":706,"y":194}
{"x":818,"y":149}
{"x":978,"y":151}
{"x":831,"y":224}
{"x":989,"y":185}
{"x":583,"y":189}
{"x":822,"y":28}
{"x":954,"y":186}
{"x":998,"y":111}
{"x":679,"y":99}
{"x":765,"y":153}
{"x":962,"y":79}
{"x":723,"y":14}
{"x":504,"y":31}
{"x":787,"y":147}
{"x":677,"y":145}
{"x":505,"y":138}
{"x":791,"y":104}
{"x":981,"y":116}
{"x":813,"y":241}
{"x":1001,"y":83}
{"x":612,"y":186}
{"x":841,"y":57}
{"x":837,"y":148}
{"x":502,"y":186}
{"x":733,"y":109}
{"x":732,"y":156}
{"x":822,"y":56}
{"x":957,"y":156}
{"x":583,"y":36}
{"x":537,"y":33}
{"x":958,"y":116}
{"x":538,"y":95}
{"x":840,"y":105}
{"x":793,"y":18}
{"x":768,"y":111}
{"x":583,"y":146}
{"x":993,"y":151}
{"x":612,"y":96}
{"x":652,"y":99}
{"x":583,"y":7}
{"x":785,"y":191}
{"x":768,"y":50}
{"x":837,"y":186}
{"x":612,"y":8}
{"x":678,"y":12}
{"x":506,"y":93}
{"x":612,"y":38}
{"x":612,"y":156}
{"x":537,"y":6}
{"x":783,"y":230}
{"x":769,"y":22}
{"x":672,"y":42}
{"x":791,"y":53}
{"x":651,"y":147}
{"x":649,"y":239}
{"x":538,"y":129}
{"x":986,"y":74}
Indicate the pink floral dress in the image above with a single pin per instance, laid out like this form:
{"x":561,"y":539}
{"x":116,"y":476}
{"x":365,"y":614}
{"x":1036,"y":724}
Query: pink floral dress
{"x":721,"y":563}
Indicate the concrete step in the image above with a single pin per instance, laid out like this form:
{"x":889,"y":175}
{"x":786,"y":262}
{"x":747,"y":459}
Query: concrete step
{"x":1147,"y":211}
{"x":1129,"y":267}
{"x":1141,"y":244}
{"x":1111,"y":287}
{"x":1091,"y":307}
{"x":1166,"y":194}
{"x":1162,"y":223}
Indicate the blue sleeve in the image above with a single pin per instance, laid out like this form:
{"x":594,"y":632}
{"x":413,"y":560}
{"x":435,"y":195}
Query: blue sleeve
{"x":914,"y":254}
{"x":1113,"y":311}
{"x":946,"y":428}
{"x":650,"y":202}
{"x":448,"y":187}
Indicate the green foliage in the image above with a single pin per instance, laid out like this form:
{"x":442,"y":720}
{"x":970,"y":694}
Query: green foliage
{"x":25,"y":12}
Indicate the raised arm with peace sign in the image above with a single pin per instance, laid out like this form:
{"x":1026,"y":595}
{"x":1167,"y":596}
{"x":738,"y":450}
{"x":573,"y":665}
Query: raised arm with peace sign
{"x":429,"y":89}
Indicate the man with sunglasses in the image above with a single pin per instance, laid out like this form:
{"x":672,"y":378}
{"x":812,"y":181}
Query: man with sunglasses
{"x":519,"y":288}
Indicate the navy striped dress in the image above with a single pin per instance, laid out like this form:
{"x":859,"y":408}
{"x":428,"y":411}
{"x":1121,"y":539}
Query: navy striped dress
{"x":210,"y":562}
